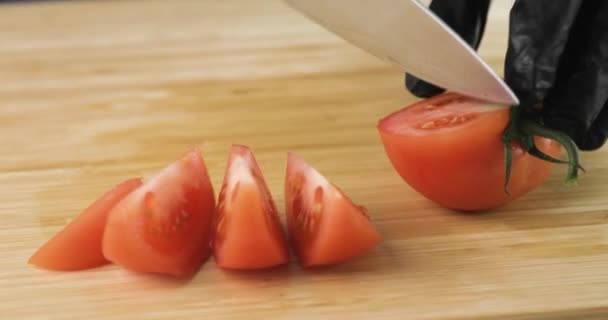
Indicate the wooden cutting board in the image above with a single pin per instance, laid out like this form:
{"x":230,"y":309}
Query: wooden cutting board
{"x":94,"y":92}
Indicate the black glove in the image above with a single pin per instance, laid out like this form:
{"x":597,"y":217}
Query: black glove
{"x":557,"y":57}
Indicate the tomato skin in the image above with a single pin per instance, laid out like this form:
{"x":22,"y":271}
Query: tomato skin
{"x":248,"y":231}
{"x":464,"y":168}
{"x":325,"y":226}
{"x":78,"y":245}
{"x":164,"y":226}
{"x":345,"y":234}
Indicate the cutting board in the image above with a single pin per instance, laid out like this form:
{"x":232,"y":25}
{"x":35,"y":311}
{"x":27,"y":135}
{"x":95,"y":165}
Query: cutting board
{"x":94,"y":92}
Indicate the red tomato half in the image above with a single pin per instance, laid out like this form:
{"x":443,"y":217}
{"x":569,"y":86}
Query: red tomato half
{"x":164,"y":226}
{"x":78,"y":245}
{"x":325,"y":226}
{"x":248,"y":231}
{"x":449,"y":149}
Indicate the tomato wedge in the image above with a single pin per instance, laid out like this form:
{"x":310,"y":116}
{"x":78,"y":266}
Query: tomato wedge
{"x":164,"y":226}
{"x":449,"y":148}
{"x":78,"y":245}
{"x":324,"y":225}
{"x":248,"y":231}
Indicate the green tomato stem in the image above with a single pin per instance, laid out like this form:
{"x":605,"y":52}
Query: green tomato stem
{"x":522,"y":131}
{"x":531,"y":128}
{"x":534,"y":151}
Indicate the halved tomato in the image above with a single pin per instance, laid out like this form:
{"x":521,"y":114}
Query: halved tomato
{"x":449,"y":148}
{"x":78,"y":245}
{"x":164,"y":226}
{"x":325,"y":226}
{"x":248,"y":231}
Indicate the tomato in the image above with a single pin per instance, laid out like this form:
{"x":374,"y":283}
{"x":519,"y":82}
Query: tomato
{"x":164,"y":226}
{"x":248,"y":231}
{"x":325,"y":226}
{"x":78,"y":245}
{"x":449,"y":149}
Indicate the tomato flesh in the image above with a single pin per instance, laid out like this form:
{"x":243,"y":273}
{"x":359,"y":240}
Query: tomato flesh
{"x":78,"y":245}
{"x":325,"y":226}
{"x":449,"y":148}
{"x":248,"y":231}
{"x":164,"y":226}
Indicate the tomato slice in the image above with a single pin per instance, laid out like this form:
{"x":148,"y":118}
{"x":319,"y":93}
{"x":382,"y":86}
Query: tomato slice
{"x":325,"y":226}
{"x":78,"y":245}
{"x":449,"y":148}
{"x":248,"y":231}
{"x":164,"y":226}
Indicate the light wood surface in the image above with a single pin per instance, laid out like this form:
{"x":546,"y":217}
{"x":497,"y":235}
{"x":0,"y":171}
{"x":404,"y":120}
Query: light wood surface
{"x":94,"y":92}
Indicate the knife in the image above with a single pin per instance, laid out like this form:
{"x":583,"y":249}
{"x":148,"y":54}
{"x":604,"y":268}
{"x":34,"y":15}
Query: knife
{"x":408,"y":35}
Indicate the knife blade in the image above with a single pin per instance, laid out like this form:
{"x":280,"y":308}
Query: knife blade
{"x":408,"y":35}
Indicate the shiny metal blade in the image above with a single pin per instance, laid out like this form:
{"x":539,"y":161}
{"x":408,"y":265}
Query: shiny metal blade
{"x":408,"y":35}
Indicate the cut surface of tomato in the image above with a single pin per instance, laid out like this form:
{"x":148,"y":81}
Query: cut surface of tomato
{"x":164,"y":226}
{"x":78,"y":245}
{"x":325,"y":226}
{"x":449,"y":148}
{"x":248,"y":230}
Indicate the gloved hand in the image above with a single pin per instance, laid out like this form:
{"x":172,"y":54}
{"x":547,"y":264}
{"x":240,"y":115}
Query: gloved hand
{"x":557,"y":58}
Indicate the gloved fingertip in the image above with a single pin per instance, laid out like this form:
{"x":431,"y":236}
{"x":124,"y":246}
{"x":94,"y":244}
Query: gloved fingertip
{"x":421,"y":88}
{"x":592,"y":142}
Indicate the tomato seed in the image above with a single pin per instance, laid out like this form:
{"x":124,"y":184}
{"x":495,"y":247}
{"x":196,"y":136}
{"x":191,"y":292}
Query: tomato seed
{"x":446,"y":121}
{"x":427,"y":125}
{"x":316,"y":209}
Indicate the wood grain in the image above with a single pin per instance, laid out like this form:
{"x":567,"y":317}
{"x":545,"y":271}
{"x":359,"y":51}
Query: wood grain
{"x":97,"y":91}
